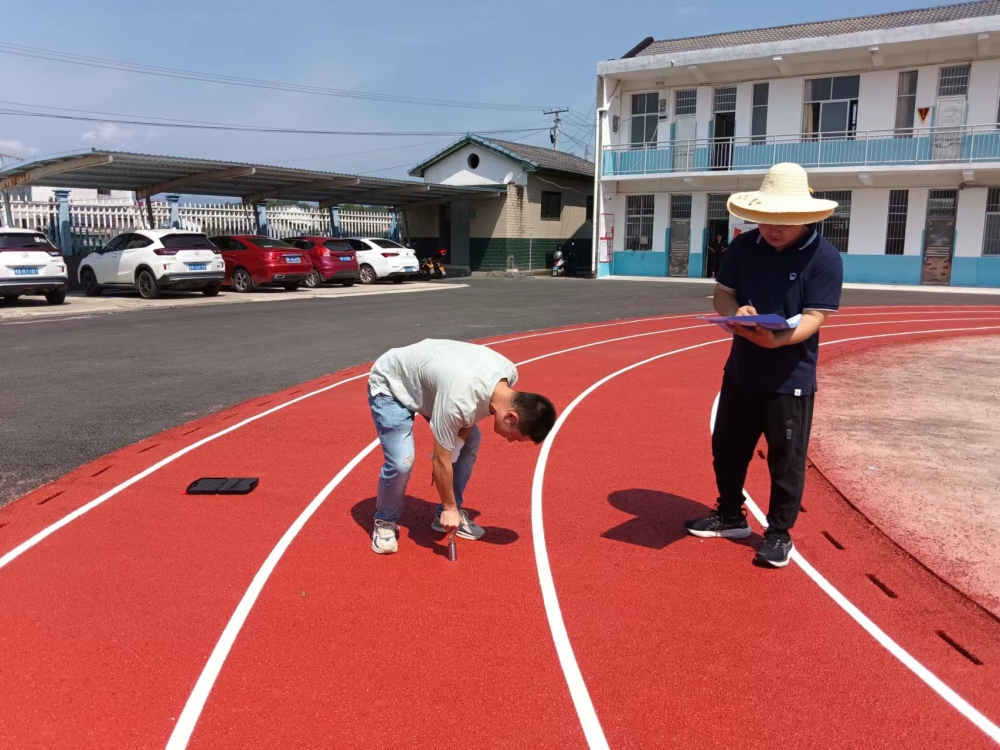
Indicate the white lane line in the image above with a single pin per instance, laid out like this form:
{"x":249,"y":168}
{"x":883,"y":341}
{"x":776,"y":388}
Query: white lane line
{"x":929,"y":678}
{"x":192,"y":709}
{"x":195,"y":704}
{"x":633,"y":321}
{"x":574,"y":679}
{"x":83,"y":509}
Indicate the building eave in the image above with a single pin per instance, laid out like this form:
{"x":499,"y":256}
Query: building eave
{"x":865,"y":39}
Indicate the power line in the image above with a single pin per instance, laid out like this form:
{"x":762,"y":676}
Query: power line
{"x":191,"y":75}
{"x":149,"y":122}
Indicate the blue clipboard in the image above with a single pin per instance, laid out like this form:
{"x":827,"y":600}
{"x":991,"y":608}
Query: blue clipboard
{"x":772,"y":322}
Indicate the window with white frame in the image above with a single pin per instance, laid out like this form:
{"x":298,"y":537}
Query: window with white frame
{"x":831,"y":107}
{"x":906,"y":102}
{"x":639,"y":222}
{"x":725,"y":99}
{"x":644,"y":118}
{"x":758,"y":119}
{"x":837,"y":228}
{"x":895,"y":235}
{"x":685,"y":102}
{"x":991,"y":234}
{"x":954,"y":81}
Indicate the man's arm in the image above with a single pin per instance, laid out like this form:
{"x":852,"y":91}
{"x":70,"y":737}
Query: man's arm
{"x":725,"y":303}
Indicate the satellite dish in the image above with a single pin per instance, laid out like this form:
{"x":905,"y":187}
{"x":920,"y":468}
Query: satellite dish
{"x":508,"y":178}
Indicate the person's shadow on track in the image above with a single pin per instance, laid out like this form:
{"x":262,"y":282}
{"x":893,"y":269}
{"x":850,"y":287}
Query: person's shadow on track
{"x":659,"y":518}
{"x":416,"y":520}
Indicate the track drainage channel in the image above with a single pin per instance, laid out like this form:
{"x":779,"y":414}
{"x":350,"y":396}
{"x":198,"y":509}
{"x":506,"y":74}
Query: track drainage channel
{"x":97,"y":474}
{"x":958,"y":647}
{"x":832,"y":541}
{"x":51,"y":497}
{"x":885,"y":589}
{"x":149,"y":448}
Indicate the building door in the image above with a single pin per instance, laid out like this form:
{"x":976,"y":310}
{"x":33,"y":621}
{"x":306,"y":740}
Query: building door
{"x":717,"y":234}
{"x":948,"y":128}
{"x":680,"y":235}
{"x":724,"y":127}
{"x":949,"y":113}
{"x":685,"y":129}
{"x":722,"y":141}
{"x":939,"y":237}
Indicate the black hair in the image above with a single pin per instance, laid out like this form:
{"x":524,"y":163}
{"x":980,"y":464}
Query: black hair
{"x":535,"y":415}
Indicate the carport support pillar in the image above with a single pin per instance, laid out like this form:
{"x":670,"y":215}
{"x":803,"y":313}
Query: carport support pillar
{"x":8,"y":217}
{"x":65,"y":236}
{"x":335,"y":221}
{"x":173,"y":200}
{"x":262,"y":227}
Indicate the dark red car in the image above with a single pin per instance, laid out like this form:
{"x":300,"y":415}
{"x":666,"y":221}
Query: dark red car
{"x":333,"y":259}
{"x":253,"y":261}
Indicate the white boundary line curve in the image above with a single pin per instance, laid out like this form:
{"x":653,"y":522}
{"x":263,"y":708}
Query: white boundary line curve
{"x":929,"y":678}
{"x":195,"y":704}
{"x":40,"y":536}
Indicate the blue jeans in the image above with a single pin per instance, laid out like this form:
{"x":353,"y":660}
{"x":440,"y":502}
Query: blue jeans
{"x":394,"y":423}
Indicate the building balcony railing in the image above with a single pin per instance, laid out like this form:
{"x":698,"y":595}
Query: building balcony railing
{"x":968,"y":144}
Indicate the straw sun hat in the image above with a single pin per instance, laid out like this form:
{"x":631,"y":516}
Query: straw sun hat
{"x":784,"y":198}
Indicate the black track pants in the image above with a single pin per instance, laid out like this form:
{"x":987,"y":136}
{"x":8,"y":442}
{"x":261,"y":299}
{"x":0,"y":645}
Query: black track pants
{"x":785,"y":421}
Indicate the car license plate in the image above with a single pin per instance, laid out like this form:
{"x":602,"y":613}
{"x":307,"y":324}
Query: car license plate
{"x":345,"y":258}
{"x":293,"y":258}
{"x":410,"y":268}
{"x":196,"y":266}
{"x":26,"y":271}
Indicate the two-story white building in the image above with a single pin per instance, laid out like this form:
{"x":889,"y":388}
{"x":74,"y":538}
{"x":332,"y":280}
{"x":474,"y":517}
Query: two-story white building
{"x":894,"y":116}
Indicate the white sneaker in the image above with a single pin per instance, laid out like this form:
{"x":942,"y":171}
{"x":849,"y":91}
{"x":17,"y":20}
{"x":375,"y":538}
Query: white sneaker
{"x":468,"y":530}
{"x":384,"y":537}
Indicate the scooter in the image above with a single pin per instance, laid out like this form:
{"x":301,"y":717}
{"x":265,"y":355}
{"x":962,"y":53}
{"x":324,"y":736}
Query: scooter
{"x":563,"y":265}
{"x":432,"y":266}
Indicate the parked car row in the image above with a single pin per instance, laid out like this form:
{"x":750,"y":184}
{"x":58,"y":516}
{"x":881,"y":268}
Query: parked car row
{"x":153,"y":260}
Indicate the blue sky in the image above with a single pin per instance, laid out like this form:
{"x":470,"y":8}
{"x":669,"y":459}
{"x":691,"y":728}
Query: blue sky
{"x":514,"y":52}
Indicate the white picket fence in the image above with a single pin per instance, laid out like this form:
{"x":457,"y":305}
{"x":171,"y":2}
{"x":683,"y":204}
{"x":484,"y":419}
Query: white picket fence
{"x":94,"y":223}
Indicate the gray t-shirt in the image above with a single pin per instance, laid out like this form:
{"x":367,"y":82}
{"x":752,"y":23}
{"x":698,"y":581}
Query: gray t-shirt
{"x":449,"y":382}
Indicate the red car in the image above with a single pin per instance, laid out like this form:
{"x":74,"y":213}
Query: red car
{"x":333,"y":259}
{"x":253,"y":261}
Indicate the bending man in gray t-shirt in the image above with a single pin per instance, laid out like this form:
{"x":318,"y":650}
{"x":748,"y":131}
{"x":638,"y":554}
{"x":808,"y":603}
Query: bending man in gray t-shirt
{"x":454,"y":385}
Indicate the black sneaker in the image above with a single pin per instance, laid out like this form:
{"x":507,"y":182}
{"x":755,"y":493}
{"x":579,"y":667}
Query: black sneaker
{"x":715,"y":525}
{"x":776,"y":550}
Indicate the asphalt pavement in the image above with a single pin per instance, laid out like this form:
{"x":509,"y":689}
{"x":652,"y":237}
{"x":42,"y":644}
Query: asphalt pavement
{"x":75,"y":388}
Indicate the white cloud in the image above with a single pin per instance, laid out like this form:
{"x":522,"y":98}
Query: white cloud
{"x":689,"y":10}
{"x":16,"y":147}
{"x":108,"y":132}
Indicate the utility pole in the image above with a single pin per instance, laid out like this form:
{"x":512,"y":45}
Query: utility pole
{"x":554,"y":135}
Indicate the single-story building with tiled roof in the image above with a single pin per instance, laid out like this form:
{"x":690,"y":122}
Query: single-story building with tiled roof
{"x":543,"y":202}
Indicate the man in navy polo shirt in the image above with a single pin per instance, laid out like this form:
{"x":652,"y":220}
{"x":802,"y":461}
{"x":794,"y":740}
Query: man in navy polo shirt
{"x":783,"y":267}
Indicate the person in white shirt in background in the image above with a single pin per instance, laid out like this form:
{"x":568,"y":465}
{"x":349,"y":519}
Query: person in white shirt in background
{"x":454,"y":385}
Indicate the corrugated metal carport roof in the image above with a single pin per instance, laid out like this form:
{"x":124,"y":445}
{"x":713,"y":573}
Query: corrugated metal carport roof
{"x":148,"y":175}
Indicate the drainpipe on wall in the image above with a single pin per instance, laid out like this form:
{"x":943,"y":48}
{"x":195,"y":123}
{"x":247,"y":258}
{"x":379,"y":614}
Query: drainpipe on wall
{"x":595,"y":247}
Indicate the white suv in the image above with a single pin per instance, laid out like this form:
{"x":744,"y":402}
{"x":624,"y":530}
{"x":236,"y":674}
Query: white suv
{"x":30,"y":264}
{"x":379,"y":258}
{"x":151,"y":260}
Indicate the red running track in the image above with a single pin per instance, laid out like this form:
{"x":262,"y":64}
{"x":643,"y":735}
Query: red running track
{"x":679,"y":642}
